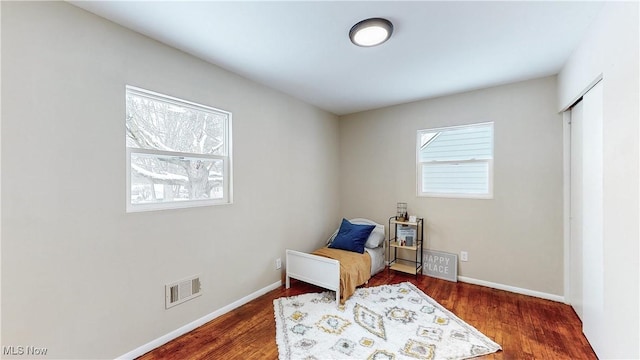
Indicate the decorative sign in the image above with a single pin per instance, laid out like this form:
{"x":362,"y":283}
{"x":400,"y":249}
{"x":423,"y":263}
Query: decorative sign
{"x":441,"y":265}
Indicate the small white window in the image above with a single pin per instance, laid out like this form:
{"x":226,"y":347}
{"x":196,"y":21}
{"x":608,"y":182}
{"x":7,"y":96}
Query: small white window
{"x":178,"y":152}
{"x":456,"y":161}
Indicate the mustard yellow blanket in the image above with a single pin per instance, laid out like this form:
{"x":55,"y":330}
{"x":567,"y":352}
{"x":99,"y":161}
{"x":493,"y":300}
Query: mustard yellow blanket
{"x":355,"y":269}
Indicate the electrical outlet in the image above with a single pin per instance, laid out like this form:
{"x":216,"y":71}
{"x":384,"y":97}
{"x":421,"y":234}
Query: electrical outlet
{"x":464,"y":256}
{"x":278,"y":263}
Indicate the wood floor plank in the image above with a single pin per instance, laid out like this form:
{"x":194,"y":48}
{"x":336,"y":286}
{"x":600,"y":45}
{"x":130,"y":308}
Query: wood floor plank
{"x":525,"y":327}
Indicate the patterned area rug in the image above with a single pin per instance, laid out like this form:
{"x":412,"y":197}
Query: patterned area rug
{"x":384,"y":322}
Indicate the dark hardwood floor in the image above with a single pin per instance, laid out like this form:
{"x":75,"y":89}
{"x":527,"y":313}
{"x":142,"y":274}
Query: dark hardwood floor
{"x":525,"y":327}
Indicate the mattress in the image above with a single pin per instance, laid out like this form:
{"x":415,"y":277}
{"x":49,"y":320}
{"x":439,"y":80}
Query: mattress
{"x":377,"y":259}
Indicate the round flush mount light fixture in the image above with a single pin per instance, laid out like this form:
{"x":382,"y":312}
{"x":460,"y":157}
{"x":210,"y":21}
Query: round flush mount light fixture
{"x":371,"y":32}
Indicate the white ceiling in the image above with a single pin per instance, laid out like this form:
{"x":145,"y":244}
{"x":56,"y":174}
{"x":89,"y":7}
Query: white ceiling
{"x":302,"y":48}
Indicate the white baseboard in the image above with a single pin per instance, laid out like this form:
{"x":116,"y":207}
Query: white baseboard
{"x":197,"y":323}
{"x":512,"y":289}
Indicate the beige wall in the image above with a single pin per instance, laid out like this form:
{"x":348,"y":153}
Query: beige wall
{"x":79,"y":275}
{"x":611,"y":50}
{"x":515,"y":239}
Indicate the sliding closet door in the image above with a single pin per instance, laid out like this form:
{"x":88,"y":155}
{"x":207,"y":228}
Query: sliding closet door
{"x":587,"y":248}
{"x":592,"y":215}
{"x":575,"y":247}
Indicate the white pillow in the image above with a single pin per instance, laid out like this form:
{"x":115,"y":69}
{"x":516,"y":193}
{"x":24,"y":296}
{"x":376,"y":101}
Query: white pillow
{"x":376,"y":237}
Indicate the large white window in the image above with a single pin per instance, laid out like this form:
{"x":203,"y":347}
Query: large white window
{"x":456,"y":161}
{"x":178,"y":152}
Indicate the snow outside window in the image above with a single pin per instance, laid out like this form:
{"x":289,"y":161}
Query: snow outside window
{"x":178,"y":153}
{"x":456,"y":161}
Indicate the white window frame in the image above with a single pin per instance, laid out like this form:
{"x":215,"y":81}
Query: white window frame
{"x":421,"y":165}
{"x":226,"y":159}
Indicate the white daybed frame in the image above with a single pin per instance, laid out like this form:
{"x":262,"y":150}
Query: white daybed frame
{"x":316,"y":270}
{"x":313,"y":269}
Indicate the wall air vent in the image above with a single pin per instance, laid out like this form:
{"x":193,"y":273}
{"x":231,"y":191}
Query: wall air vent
{"x":181,"y":291}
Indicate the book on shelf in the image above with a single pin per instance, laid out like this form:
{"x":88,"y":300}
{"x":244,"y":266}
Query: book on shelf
{"x":406,"y":231}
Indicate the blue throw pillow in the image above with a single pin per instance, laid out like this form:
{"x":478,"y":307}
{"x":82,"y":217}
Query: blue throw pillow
{"x":352,"y":237}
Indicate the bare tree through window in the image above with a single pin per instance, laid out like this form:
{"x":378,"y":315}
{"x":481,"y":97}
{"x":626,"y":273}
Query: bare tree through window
{"x":178,"y":151}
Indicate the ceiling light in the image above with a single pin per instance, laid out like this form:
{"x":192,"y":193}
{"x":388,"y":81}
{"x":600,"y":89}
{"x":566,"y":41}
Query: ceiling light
{"x":371,"y":32}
